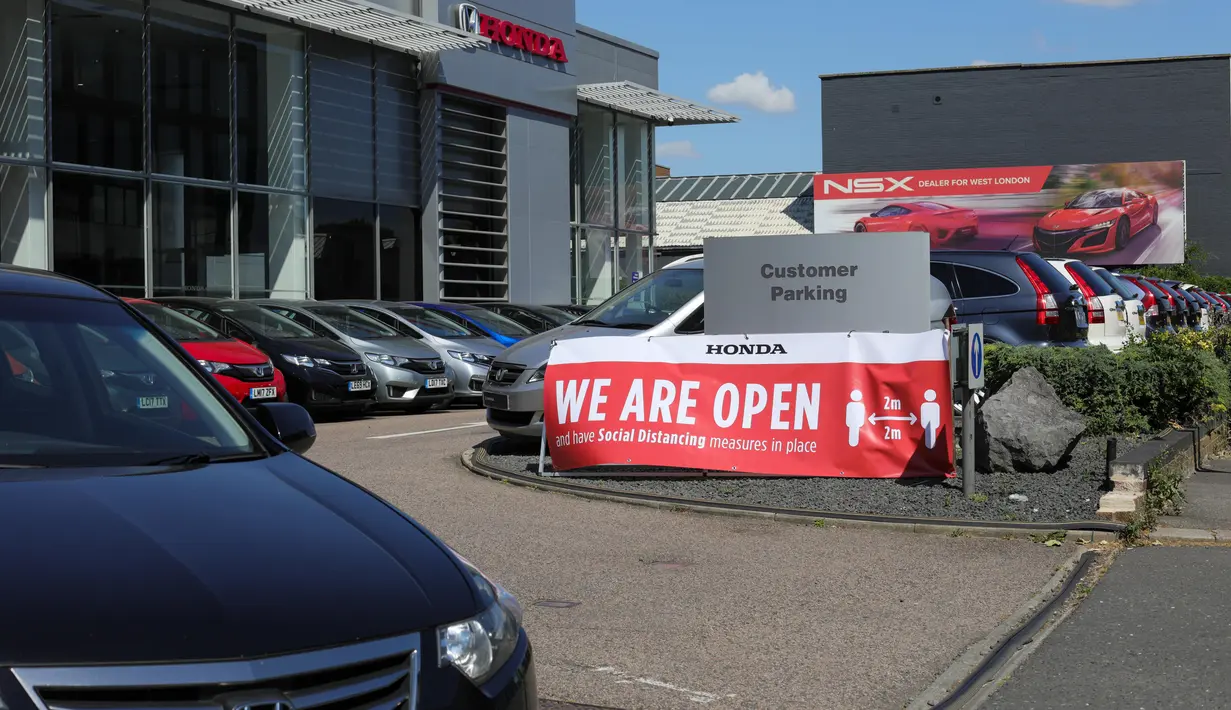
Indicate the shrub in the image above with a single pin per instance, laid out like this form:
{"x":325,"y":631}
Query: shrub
{"x":1171,"y":378}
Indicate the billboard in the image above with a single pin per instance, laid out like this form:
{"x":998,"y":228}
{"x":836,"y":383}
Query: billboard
{"x":1111,"y":214}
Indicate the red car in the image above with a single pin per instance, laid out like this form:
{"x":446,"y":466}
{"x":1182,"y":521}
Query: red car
{"x":943,"y":223}
{"x":1095,"y":222}
{"x":247,"y":373}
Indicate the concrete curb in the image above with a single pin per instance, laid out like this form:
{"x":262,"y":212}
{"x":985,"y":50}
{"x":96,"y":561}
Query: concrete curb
{"x":803,"y":517}
{"x":1189,"y":535}
{"x":969,"y":661}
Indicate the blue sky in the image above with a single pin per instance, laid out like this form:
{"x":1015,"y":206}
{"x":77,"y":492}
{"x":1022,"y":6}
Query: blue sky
{"x":706,"y":45}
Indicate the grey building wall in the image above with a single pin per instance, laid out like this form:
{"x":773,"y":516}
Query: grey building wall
{"x":601,"y":57}
{"x":540,"y":263}
{"x":1174,"y":109}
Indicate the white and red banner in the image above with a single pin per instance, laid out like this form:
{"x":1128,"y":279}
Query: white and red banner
{"x":863,"y":405}
{"x":1101,"y":213}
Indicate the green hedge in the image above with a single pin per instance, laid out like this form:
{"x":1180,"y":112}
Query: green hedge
{"x":1169,"y":379}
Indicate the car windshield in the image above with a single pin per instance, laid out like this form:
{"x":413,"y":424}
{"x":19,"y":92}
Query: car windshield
{"x":648,"y":302}
{"x":496,"y":323}
{"x":267,"y":323}
{"x":1092,"y":278}
{"x":431,"y":322}
{"x":553,"y":315}
{"x":178,"y":325}
{"x":353,"y":323}
{"x":1125,"y":288}
{"x":1096,"y":200}
{"x":88,"y":385}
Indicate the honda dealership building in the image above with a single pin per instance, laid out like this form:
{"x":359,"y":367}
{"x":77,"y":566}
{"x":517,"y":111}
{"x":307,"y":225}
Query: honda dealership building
{"x":410,"y":149}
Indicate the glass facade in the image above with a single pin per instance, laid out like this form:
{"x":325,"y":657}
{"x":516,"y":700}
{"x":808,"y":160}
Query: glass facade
{"x":613,"y":202}
{"x":171,"y":155}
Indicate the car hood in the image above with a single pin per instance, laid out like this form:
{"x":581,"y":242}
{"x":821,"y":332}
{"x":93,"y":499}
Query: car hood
{"x":1072,"y":219}
{"x":533,"y":351}
{"x":232,"y":352}
{"x":406,"y":347}
{"x":481,"y":346}
{"x":232,"y":560}
{"x":312,"y":347}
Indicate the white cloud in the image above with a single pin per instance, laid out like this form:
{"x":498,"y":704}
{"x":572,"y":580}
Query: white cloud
{"x":675,"y":149}
{"x":980,"y":63}
{"x":754,"y":91}
{"x":1103,"y":3}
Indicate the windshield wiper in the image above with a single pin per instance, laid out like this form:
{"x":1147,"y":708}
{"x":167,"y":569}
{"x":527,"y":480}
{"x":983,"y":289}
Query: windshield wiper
{"x":198,"y":459}
{"x":20,"y":465}
{"x":591,"y":321}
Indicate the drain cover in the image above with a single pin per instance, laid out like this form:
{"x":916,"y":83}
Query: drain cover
{"x":556,"y":604}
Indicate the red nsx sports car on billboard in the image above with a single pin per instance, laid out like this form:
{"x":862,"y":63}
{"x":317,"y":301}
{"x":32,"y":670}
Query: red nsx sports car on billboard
{"x":943,"y":223}
{"x":1095,"y":222}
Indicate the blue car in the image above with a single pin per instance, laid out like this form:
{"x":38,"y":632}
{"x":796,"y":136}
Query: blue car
{"x":481,"y":321}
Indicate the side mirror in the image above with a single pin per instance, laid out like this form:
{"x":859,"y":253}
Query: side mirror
{"x":289,"y":423}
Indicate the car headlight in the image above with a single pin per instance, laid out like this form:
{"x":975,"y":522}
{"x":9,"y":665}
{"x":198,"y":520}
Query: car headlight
{"x":1103,"y":225}
{"x":301,"y":360}
{"x":472,"y":358}
{"x":481,"y":645}
{"x":214,"y":368}
{"x":388,"y":360}
{"x":538,"y":375}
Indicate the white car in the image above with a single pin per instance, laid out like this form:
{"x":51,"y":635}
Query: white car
{"x":1135,"y":299}
{"x":1110,"y":324}
{"x":1206,"y":309}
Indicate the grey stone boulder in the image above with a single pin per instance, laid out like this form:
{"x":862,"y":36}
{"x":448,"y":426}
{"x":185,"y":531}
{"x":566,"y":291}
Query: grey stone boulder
{"x":1025,"y":427}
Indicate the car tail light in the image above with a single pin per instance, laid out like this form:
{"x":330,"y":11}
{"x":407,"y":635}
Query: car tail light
{"x":1048,"y":312}
{"x":1148,"y":302}
{"x":1094,"y":309}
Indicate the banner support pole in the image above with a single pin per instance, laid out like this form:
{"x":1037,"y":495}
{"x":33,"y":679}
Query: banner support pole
{"x":542,"y":448}
{"x":968,"y":441}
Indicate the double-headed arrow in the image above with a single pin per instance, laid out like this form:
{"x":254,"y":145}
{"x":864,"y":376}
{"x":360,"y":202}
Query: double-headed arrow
{"x":912,"y":419}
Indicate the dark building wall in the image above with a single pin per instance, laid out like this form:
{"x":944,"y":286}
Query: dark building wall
{"x":601,"y":58}
{"x":1177,"y":109}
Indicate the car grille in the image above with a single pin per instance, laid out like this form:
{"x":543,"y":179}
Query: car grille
{"x":378,"y":675}
{"x":434,"y":366}
{"x":345,"y":367}
{"x":503,"y":373}
{"x":253,"y":373}
{"x":1058,"y":240}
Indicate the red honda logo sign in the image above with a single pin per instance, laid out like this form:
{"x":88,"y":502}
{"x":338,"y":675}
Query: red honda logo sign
{"x":509,"y":34}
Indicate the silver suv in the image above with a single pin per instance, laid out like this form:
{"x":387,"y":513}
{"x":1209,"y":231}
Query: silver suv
{"x":670,"y":301}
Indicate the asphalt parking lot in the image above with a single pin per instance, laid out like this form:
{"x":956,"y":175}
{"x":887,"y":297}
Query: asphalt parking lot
{"x":633,"y":607}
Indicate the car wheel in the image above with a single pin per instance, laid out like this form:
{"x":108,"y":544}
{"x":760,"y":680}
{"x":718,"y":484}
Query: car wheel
{"x":1154,"y":219}
{"x":1121,"y":233}
{"x":860,"y":227}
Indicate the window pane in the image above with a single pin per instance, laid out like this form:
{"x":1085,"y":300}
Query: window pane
{"x":977,"y":283}
{"x":270,"y":111}
{"x":192,"y":244}
{"x":633,"y":144}
{"x":342,"y":150}
{"x":190,"y":102}
{"x":273,"y":246}
{"x":21,"y":102}
{"x":597,"y":192}
{"x":96,"y":83}
{"x":99,"y":231}
{"x":634,"y":258}
{"x":23,"y":233}
{"x":596,"y":274}
{"x":343,"y":246}
{"x":397,"y":129}
{"x":400,"y":246}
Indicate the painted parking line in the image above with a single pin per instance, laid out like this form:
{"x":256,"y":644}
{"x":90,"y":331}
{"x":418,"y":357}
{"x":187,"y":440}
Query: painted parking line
{"x":429,"y":431}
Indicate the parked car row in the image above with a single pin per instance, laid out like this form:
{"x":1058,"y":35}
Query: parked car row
{"x":346,"y":356}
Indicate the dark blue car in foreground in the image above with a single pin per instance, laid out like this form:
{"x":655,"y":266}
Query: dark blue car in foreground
{"x":1018,"y":296}
{"x":176,"y":551}
{"x":481,"y":321}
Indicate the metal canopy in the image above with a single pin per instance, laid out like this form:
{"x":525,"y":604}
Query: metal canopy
{"x":363,"y":21}
{"x":662,"y":109}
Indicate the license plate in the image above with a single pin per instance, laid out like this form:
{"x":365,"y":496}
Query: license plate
{"x":1141,"y":318}
{"x":437,"y":382}
{"x":263,"y":392}
{"x":495,"y":401}
{"x":153,"y":402}
{"x":359,"y":385}
{"x":1081,"y":319}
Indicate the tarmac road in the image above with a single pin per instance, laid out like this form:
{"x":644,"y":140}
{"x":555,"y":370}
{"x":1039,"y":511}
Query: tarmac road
{"x":633,"y":607}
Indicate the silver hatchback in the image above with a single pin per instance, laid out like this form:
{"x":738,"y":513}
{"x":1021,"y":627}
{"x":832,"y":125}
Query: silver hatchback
{"x":466,"y":354}
{"x":410,"y":376}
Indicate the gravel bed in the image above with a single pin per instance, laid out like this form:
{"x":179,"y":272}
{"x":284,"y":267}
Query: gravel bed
{"x":1071,"y":494}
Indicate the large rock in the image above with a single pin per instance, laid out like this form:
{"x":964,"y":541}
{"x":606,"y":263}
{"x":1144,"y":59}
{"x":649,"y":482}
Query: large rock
{"x":1025,"y":427}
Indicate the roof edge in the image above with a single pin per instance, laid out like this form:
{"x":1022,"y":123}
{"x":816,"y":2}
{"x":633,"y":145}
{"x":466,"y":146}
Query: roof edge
{"x":1040,"y":65}
{"x":618,"y":41}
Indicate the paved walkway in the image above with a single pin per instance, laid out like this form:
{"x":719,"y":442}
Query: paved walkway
{"x":1154,"y":633}
{"x":1207,"y":499}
